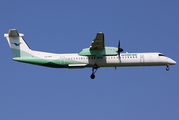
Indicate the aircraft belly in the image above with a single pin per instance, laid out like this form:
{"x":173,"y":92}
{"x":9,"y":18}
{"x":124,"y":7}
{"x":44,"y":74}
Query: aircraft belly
{"x":129,"y":62}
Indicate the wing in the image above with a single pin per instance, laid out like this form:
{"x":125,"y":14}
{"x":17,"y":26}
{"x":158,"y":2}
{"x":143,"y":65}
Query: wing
{"x":98,"y":42}
{"x":98,"y":48}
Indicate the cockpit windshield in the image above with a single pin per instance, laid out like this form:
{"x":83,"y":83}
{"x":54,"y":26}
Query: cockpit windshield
{"x":161,"y":55}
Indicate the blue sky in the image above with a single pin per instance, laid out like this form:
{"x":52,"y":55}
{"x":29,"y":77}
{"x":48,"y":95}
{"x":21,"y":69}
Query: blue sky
{"x":133,"y":93}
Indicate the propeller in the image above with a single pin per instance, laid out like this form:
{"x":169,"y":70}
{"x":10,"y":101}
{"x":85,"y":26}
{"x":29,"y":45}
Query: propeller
{"x":119,"y":49}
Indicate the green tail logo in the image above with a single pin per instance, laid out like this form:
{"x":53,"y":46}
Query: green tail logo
{"x":17,"y":44}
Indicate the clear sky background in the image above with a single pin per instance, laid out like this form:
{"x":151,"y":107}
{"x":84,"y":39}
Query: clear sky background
{"x":29,"y":92}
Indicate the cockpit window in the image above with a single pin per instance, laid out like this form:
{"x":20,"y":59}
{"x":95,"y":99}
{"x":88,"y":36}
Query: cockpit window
{"x":161,"y":55}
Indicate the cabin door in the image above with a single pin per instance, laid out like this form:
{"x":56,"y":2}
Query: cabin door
{"x":141,"y":58}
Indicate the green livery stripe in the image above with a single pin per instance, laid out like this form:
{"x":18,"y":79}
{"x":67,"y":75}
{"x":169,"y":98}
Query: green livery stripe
{"x":20,"y":53}
{"x":56,"y":63}
{"x":31,"y":60}
{"x":47,"y":62}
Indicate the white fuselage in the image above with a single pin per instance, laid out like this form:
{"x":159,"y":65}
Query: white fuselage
{"x":126,"y":59}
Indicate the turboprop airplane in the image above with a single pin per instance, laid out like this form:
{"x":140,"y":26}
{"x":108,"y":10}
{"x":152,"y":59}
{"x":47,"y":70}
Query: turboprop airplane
{"x":96,"y":56}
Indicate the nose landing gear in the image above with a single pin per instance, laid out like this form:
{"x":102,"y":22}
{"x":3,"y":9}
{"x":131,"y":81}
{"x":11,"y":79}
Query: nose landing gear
{"x":167,"y":68}
{"x":95,"y":68}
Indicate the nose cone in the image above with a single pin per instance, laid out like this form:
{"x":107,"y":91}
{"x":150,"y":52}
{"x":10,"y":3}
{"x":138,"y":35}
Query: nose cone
{"x":171,"y":62}
{"x":174,"y":62}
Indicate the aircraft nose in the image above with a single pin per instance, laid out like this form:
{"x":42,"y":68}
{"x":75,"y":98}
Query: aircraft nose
{"x":172,"y":62}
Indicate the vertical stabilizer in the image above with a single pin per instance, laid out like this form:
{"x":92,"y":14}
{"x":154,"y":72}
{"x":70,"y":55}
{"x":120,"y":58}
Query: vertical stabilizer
{"x":17,"y":44}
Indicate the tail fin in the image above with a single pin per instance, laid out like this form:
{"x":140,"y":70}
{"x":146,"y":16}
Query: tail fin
{"x":17,"y":44}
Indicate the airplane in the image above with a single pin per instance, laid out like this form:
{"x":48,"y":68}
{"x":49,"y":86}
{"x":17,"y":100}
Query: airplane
{"x":96,"y":56}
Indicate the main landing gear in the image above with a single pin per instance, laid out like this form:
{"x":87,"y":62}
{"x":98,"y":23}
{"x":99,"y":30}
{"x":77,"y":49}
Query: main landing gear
{"x":167,"y":68}
{"x":95,"y":68}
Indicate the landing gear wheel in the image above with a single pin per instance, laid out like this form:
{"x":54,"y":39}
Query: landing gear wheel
{"x":167,"y":68}
{"x":92,"y":76}
{"x":94,"y":69}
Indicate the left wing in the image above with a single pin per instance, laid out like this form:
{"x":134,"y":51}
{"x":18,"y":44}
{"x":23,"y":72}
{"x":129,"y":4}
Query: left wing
{"x":98,"y":42}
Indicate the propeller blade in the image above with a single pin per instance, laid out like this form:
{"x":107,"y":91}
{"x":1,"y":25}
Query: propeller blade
{"x":119,"y":48}
{"x":119,"y":44}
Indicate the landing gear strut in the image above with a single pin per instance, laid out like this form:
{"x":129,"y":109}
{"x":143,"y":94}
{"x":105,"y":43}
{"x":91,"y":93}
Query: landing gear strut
{"x":95,"y":68}
{"x":167,"y":68}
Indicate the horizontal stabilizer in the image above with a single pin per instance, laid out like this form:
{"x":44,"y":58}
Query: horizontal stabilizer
{"x":13,"y":33}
